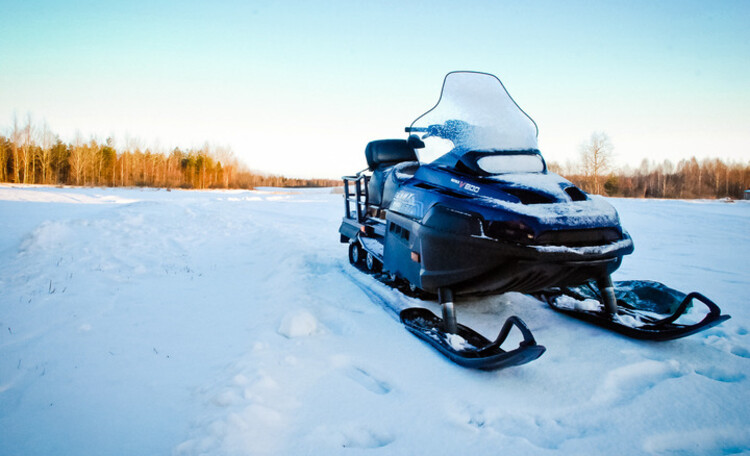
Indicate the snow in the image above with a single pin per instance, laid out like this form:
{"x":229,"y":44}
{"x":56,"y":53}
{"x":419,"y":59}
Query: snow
{"x":586,"y":213}
{"x":500,"y":164}
{"x":136,"y":321}
{"x":568,"y":302}
{"x":489,"y":117}
{"x":584,"y":250}
{"x":458,"y":343}
{"x":298,"y":324}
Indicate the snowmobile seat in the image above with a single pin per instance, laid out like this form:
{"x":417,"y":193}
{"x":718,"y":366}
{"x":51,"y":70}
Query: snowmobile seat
{"x":382,"y":155}
{"x":394,"y":177}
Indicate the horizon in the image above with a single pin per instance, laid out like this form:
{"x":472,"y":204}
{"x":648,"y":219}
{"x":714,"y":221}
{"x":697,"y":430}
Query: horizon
{"x":301,"y":93}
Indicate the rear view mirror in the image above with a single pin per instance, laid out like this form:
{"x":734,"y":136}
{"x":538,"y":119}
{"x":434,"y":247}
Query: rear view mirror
{"x":414,"y":142}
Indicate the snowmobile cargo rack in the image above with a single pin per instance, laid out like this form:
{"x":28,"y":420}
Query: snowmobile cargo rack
{"x":359,"y":198}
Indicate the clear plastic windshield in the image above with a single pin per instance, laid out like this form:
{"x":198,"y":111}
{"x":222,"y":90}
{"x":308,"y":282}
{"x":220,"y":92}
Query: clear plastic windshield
{"x":474,"y":113}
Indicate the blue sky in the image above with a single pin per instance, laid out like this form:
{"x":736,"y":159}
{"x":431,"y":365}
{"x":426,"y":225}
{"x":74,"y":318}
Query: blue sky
{"x":299,"y":88}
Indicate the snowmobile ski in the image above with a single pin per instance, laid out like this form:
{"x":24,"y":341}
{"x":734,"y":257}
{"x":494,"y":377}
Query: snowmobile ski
{"x":460,"y":344}
{"x":467,"y":347}
{"x":645,"y":310}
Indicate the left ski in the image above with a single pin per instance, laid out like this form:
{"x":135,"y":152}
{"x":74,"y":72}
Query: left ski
{"x":467,"y":347}
{"x":477,"y":353}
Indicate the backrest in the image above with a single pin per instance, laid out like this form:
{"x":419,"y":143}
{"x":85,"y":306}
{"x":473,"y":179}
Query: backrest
{"x":388,"y":152}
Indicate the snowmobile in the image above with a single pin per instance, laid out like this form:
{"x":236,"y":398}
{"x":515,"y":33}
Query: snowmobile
{"x":465,"y":205}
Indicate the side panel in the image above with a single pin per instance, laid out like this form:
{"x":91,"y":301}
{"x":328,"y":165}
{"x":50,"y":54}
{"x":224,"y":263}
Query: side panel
{"x":400,"y":242}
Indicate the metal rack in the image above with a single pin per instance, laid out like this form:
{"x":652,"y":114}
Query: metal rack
{"x":358,"y":198}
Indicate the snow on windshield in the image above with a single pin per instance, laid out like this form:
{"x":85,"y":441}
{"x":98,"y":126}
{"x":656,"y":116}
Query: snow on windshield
{"x":474,"y":112}
{"x":501,"y":164}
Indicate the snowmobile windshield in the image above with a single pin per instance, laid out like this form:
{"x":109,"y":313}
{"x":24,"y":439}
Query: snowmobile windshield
{"x":476,"y":114}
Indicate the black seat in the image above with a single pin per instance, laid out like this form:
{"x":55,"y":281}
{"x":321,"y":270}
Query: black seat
{"x":381,"y":156}
{"x":394,"y":177}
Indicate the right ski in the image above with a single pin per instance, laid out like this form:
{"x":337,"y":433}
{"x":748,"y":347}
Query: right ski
{"x":645,"y":310}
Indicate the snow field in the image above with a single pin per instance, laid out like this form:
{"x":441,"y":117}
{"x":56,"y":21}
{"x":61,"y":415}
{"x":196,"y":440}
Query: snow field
{"x":153,"y":322}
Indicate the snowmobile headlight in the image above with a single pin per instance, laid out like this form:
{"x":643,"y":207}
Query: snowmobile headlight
{"x":510,"y":230}
{"x":453,"y":221}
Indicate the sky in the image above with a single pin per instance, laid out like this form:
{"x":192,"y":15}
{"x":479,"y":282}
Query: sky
{"x":299,"y":87}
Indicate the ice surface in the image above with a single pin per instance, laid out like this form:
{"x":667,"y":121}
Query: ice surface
{"x":224,"y":323}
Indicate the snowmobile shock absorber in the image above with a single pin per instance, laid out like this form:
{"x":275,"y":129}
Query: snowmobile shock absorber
{"x":445,"y":296}
{"x":607,"y":290}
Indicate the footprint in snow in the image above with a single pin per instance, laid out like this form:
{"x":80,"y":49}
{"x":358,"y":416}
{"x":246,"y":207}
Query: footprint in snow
{"x":720,"y":374}
{"x":317,"y":265}
{"x":349,"y":436}
{"x":368,"y":381}
{"x":627,"y":382}
{"x":542,"y":432}
{"x":717,"y":440}
{"x":725,"y":344}
{"x":361,"y":437}
{"x":739,"y":350}
{"x":474,"y":416}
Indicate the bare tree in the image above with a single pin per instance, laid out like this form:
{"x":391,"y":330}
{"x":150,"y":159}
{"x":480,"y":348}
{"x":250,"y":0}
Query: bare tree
{"x":597,"y":155}
{"x":132,"y":146}
{"x":227,"y":162}
{"x":15,"y":141}
{"x":77,"y":158}
{"x":27,"y":150}
{"x":46,"y":142}
{"x":4,"y":149}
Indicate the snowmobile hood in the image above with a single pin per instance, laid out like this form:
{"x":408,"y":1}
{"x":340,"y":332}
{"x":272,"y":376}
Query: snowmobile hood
{"x":593,"y":212}
{"x":475,"y":112}
{"x":541,"y":200}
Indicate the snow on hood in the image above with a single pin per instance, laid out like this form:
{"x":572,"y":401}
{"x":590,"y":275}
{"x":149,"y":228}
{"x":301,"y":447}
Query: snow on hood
{"x":593,"y":212}
{"x":549,"y":183}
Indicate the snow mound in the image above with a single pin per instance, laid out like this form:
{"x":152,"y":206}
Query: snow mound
{"x":49,"y":195}
{"x":299,"y":324}
{"x":48,"y":236}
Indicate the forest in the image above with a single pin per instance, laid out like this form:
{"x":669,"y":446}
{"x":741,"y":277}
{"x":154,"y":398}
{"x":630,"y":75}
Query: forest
{"x":688,"y":179}
{"x":33,"y":154}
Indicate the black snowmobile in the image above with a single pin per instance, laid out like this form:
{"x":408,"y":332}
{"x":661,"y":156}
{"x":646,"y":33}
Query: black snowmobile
{"x":466,"y":205}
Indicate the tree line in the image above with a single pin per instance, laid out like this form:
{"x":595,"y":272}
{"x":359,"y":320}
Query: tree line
{"x":33,"y":154}
{"x":689,"y":178}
